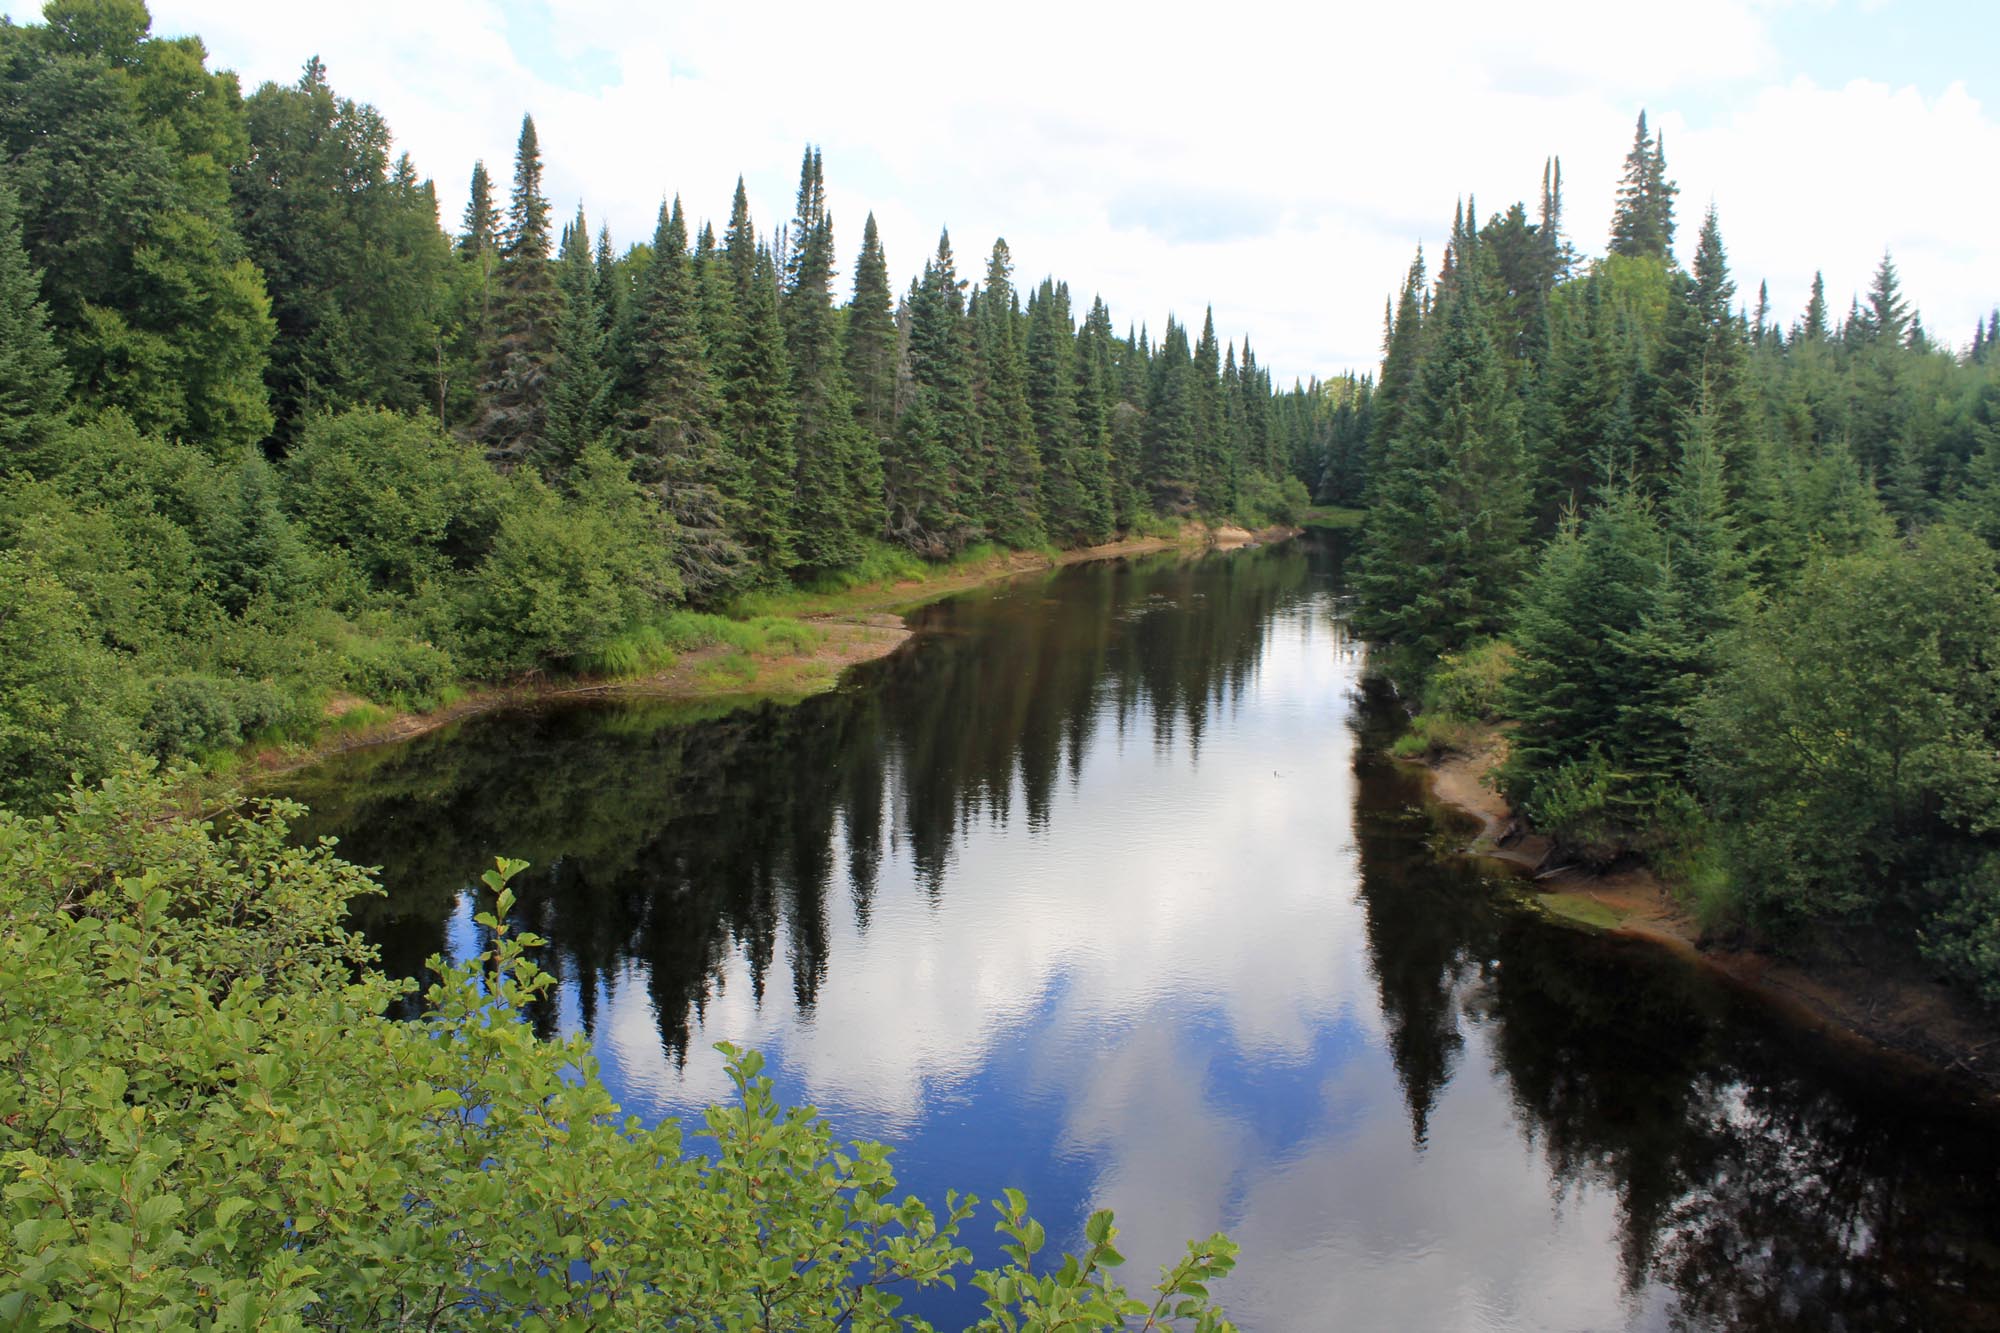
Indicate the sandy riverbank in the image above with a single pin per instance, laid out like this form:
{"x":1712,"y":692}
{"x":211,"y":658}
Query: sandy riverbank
{"x":1906,"y":1017}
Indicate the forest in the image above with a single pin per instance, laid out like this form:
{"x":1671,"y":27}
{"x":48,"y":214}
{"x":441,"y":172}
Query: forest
{"x":275,"y":440}
{"x":1729,"y":582}
{"x":274,"y":436}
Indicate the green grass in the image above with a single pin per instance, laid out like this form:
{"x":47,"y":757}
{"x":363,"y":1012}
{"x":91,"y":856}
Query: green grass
{"x":1580,"y":910}
{"x":655,"y":646}
{"x":1331,"y":516}
{"x":1434,"y":734}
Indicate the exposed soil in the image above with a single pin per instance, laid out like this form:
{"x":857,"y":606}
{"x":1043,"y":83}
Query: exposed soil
{"x":1910,"y":1018}
{"x":867,"y":626}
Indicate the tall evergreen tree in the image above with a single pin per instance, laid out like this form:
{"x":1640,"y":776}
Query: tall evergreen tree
{"x":1215,"y":464}
{"x":839,"y":480}
{"x":871,"y":350}
{"x":672,"y":434}
{"x":1643,"y":223}
{"x":1011,"y":484}
{"x":514,"y":393}
{"x":579,"y":392}
{"x":1170,"y":464}
{"x":33,"y":382}
{"x":928,"y":486}
{"x":1443,"y":541}
{"x":757,"y":418}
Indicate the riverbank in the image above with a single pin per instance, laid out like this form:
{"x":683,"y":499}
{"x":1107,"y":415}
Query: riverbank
{"x":1908,"y":1018}
{"x":854,"y":625}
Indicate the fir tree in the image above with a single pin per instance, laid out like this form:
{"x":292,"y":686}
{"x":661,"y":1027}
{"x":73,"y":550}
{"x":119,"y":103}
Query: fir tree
{"x":672,"y":433}
{"x":513,"y":416}
{"x":1215,"y":462}
{"x":1643,"y":223}
{"x":33,"y":380}
{"x":579,"y":393}
{"x":1169,"y":464}
{"x":929,"y":486}
{"x":479,"y":234}
{"x":871,"y":351}
{"x":1011,"y":484}
{"x":757,"y":418}
{"x":838,"y":489}
{"x":1443,"y":540}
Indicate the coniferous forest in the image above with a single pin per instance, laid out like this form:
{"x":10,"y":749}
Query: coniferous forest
{"x":1728,"y":577}
{"x":274,"y":433}
{"x":283,"y":434}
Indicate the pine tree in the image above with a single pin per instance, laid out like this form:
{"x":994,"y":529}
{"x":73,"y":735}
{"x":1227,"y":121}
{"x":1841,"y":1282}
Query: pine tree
{"x":513,"y":416}
{"x":579,"y":392}
{"x":1887,"y":317}
{"x":673,"y":433}
{"x":757,"y":419}
{"x":838,"y":487}
{"x":33,"y":380}
{"x":1814,"y":326}
{"x":1169,"y":465}
{"x":1643,"y":223}
{"x":1068,"y":417}
{"x":871,"y":351}
{"x":931,"y":488}
{"x":1444,"y":538}
{"x":479,"y":235}
{"x":1011,"y":486}
{"x":1402,"y":343}
{"x":1106,"y":423}
{"x":1215,"y":463}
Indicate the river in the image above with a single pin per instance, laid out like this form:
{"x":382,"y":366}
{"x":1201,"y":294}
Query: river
{"x":1100,"y":889}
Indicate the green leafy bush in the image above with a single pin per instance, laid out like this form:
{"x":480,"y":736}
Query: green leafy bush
{"x":1264,"y":502}
{"x":1471,"y":684}
{"x":210,"y":1122}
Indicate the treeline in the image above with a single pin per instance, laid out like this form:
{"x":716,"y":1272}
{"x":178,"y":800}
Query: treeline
{"x":273,"y":436}
{"x":1732,"y":581}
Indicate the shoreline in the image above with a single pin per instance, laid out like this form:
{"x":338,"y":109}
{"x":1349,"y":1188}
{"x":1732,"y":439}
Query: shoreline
{"x":862,"y":624}
{"x":1919,"y":1023}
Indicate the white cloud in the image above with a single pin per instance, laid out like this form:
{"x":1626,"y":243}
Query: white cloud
{"x":1278,"y":161}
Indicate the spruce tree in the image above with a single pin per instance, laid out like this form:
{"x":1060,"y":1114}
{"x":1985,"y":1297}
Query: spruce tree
{"x":838,"y":485}
{"x":1170,"y":465}
{"x":1075,"y":507}
{"x":33,"y":380}
{"x":932,"y":494}
{"x":579,"y":392}
{"x":1643,"y":223}
{"x":1402,"y":345}
{"x":1444,"y":538}
{"x":871,"y":351}
{"x":479,"y":233}
{"x":757,"y":420}
{"x":513,"y":412}
{"x":672,"y":434}
{"x":1215,"y":473}
{"x":1011,"y":485}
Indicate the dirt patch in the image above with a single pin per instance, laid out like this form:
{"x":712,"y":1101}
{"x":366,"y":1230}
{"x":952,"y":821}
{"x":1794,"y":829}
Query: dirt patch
{"x":1909,"y":1018}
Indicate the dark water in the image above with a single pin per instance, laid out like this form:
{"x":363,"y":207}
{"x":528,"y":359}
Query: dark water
{"x":1099,"y":890}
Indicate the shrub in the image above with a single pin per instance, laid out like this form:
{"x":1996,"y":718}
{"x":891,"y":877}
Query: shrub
{"x":209,"y":1120}
{"x":1471,"y":684}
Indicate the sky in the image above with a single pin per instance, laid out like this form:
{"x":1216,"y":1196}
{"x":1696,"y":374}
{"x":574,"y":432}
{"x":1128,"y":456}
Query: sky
{"x":1278,"y":162}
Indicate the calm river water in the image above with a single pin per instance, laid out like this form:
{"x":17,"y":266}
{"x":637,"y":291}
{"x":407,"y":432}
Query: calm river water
{"x":1099,"y":889}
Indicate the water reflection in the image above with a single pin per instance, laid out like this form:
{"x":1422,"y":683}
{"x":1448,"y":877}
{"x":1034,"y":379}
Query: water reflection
{"x":1096,"y":891}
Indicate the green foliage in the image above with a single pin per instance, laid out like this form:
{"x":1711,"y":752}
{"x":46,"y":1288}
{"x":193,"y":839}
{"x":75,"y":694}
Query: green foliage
{"x":568,"y":573}
{"x":1264,"y":502}
{"x":1472,"y":684}
{"x":212,"y":1122}
{"x":1849,"y":743}
{"x":199,"y":714}
{"x":1431,"y":735}
{"x":409,"y":502}
{"x":62,"y":694}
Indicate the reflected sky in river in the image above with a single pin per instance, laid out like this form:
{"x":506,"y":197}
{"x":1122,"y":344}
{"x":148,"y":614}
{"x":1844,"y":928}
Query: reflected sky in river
{"x":1098,"y":890}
